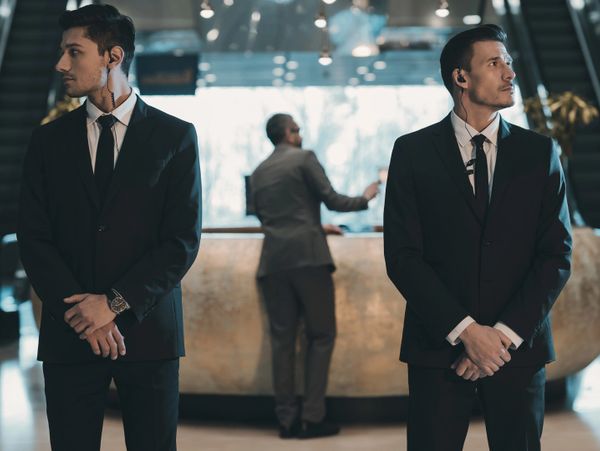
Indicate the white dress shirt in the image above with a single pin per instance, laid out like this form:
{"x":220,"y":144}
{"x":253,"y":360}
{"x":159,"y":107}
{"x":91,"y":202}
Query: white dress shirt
{"x":122,"y":115}
{"x":464,"y":134}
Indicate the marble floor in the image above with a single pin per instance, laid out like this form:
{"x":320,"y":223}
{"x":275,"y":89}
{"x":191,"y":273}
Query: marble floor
{"x":23,"y":423}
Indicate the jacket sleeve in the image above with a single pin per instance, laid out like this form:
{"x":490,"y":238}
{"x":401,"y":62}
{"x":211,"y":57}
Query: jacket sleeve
{"x":46,"y":269}
{"x":163,"y":267}
{"x":426,"y":295}
{"x":528,"y":309}
{"x":318,"y":182}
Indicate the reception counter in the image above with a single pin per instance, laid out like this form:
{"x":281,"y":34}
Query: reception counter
{"x":227,"y":341}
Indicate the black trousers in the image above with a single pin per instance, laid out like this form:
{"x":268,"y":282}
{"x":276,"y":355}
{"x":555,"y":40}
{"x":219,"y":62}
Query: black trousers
{"x":440,"y":406}
{"x":288,"y":294}
{"x":76,"y":397}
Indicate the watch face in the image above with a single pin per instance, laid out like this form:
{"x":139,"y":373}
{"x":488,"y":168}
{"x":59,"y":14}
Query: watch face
{"x":118,"y":305}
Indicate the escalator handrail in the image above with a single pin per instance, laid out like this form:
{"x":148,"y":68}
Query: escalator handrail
{"x":8,"y":9}
{"x":589,"y":44}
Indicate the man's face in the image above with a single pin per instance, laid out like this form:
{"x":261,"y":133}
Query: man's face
{"x":83,"y":69}
{"x":490,"y":80}
{"x":292,"y":134}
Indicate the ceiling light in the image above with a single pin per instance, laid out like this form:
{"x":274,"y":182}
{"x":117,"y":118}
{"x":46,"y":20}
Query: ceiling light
{"x":379,"y":65}
{"x":325,"y":58}
{"x":255,"y":16}
{"x":472,"y":19}
{"x":212,"y":35}
{"x":206,"y":10}
{"x":204,"y":67}
{"x":290,"y":76}
{"x":277,"y":82}
{"x":210,"y":78}
{"x":370,"y":77}
{"x":228,"y":2}
{"x":364,"y":50}
{"x":362,"y":70}
{"x":329,"y":2}
{"x":320,"y":20}
{"x":292,"y":65}
{"x":278,"y":72}
{"x":353,"y":81}
{"x":279,"y":59}
{"x":442,"y":10}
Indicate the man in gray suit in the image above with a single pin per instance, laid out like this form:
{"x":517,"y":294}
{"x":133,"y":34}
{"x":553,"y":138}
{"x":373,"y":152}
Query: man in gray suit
{"x":294,"y":272}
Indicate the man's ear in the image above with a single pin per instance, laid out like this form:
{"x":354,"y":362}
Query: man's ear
{"x":116,"y":55}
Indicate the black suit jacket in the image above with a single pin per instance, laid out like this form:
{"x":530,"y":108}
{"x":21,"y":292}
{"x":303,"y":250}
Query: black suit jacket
{"x":287,"y":191}
{"x":449,"y":263}
{"x":141,"y":242}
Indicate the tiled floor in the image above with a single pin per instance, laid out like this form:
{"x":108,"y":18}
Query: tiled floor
{"x":23,"y":423}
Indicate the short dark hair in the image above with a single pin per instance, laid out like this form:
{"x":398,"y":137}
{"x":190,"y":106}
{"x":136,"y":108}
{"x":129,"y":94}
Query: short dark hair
{"x":458,"y":51}
{"x":106,"y":26}
{"x":276,"y":126}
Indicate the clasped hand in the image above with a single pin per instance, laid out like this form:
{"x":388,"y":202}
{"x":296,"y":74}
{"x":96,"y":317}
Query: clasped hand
{"x":486,"y":348}
{"x":91,"y":318}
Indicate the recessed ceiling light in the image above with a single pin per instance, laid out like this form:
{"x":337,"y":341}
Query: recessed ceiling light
{"x":370,"y":77}
{"x":212,"y":35}
{"x":472,"y":19}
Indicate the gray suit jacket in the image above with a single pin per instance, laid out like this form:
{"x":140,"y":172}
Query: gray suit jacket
{"x":287,"y":189}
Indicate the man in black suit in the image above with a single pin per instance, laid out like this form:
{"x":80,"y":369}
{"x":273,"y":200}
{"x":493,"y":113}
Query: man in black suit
{"x":478,"y":241}
{"x":109,"y":223}
{"x":294,"y":273}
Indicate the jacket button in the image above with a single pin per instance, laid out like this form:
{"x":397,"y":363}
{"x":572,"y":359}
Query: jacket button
{"x":102,"y":228}
{"x":487,"y":243}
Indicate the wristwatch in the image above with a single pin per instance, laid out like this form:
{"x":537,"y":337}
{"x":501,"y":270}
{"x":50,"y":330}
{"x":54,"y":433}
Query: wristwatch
{"x":116,"y":303}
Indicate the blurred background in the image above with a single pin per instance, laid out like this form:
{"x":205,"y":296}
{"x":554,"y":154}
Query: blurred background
{"x":355,"y":74}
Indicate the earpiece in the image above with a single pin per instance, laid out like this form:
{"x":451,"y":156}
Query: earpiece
{"x":460,"y":77}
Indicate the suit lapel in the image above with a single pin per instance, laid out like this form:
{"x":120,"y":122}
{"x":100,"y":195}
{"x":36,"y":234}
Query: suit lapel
{"x":132,"y":150}
{"x":80,"y":150}
{"x":447,"y":147}
{"x":506,"y":159}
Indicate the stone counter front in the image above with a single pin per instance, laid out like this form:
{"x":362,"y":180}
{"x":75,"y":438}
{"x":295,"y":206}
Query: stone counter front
{"x":226,"y":328}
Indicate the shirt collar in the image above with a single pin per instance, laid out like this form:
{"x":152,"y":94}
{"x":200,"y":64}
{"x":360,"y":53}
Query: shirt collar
{"x":464,"y":132}
{"x":122,"y":113}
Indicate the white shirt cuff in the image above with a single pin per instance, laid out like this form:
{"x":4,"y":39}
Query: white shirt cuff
{"x":516,"y":340}
{"x":452,"y":337}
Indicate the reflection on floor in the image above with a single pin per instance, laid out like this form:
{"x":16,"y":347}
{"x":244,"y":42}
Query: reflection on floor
{"x":23,"y":423}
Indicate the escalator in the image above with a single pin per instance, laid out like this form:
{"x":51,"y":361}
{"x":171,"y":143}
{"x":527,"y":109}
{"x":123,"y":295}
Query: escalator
{"x":562,"y":67}
{"x":26,"y":77}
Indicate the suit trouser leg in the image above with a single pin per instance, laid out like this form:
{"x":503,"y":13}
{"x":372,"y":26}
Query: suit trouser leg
{"x":149,"y":398}
{"x":439,"y":408}
{"x":282,"y":310}
{"x":513,"y":407}
{"x":315,"y":290}
{"x":75,"y":402}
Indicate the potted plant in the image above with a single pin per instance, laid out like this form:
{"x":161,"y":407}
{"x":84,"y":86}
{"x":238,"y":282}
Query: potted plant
{"x":559,"y":117}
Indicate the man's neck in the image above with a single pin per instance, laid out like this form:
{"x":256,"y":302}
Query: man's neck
{"x":103,"y":99}
{"x":477,"y":118}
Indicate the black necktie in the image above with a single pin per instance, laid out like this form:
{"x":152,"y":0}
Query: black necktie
{"x":481,"y":175}
{"x":105,"y":156}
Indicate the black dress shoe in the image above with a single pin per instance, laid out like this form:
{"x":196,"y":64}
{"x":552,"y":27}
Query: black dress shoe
{"x":289,"y":432}
{"x":315,"y":430}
